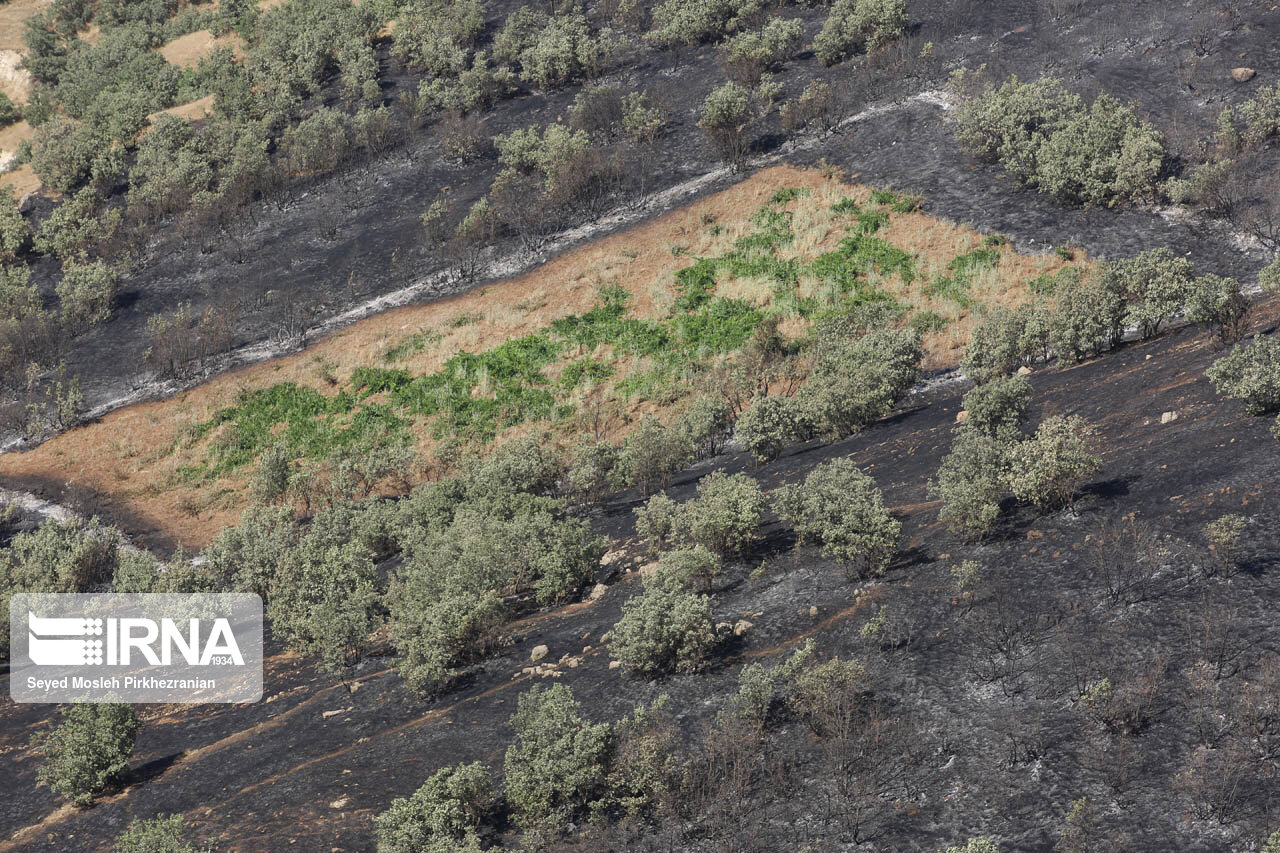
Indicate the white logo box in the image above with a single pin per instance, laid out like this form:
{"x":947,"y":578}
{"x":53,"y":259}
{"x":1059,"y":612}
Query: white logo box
{"x":144,"y":648}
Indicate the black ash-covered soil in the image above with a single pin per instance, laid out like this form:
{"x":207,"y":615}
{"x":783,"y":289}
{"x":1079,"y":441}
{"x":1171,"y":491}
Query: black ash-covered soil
{"x":1000,"y":757}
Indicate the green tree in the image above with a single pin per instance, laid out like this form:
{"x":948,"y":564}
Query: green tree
{"x":442,"y":816}
{"x":1156,"y":283}
{"x":88,"y":751}
{"x":1049,"y":468}
{"x":857,"y":380}
{"x":1250,"y":372}
{"x":998,"y":409}
{"x":971,"y":483}
{"x":86,"y":293}
{"x":842,"y":509}
{"x":870,"y":23}
{"x":656,"y":521}
{"x":1218,"y":303}
{"x":694,"y":567}
{"x":664,"y":628}
{"x":726,"y":115}
{"x":558,"y":763}
{"x":767,"y":425}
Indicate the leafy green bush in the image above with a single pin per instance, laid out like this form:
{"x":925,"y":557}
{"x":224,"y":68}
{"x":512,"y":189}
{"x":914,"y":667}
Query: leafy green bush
{"x":318,"y":143}
{"x":971,"y":483}
{"x":1218,"y":303}
{"x":689,"y":567}
{"x":871,"y":23}
{"x":767,"y":425}
{"x":748,"y":55}
{"x":86,"y":293}
{"x":651,"y":454}
{"x":1250,"y":372}
{"x":1269,"y":277}
{"x":656,"y":521}
{"x":1088,"y":317}
{"x":1253,"y":123}
{"x":857,"y":380}
{"x":842,"y":509}
{"x":440,"y":817}
{"x":1049,"y":468}
{"x":690,"y":22}
{"x":1156,"y":284}
{"x":1000,"y":343}
{"x":663,"y":628}
{"x":704,"y":425}
{"x":975,"y":845}
{"x":726,"y":114}
{"x":63,"y":150}
{"x":160,"y":834}
{"x":558,"y":763}
{"x":9,"y":111}
{"x":1043,"y":133}
{"x":438,"y":37}
{"x":998,"y":409}
{"x":725,"y":514}
{"x":552,"y":51}
{"x":88,"y":751}
{"x":591,"y":471}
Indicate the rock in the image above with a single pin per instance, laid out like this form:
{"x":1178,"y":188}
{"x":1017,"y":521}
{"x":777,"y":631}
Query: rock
{"x":1024,"y":371}
{"x":605,"y":637}
{"x":354,"y":686}
{"x":612,"y":557}
{"x":597,"y":592}
{"x":813,"y":610}
{"x":1168,"y":417}
{"x":724,"y":626}
{"x":324,"y":715}
{"x":741,"y":627}
{"x":538,"y":653}
{"x":1242,"y":74}
{"x":340,"y":803}
{"x":28,"y":203}
{"x":962,"y":416}
{"x":614,"y":664}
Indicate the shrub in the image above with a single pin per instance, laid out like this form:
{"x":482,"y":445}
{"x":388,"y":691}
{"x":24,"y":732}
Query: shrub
{"x":438,"y":37}
{"x":647,"y":764}
{"x":971,"y":483}
{"x":318,"y":143}
{"x":873,"y":23}
{"x":63,"y":150}
{"x":440,"y":817}
{"x":88,"y":750}
{"x":554,"y":51}
{"x":975,"y":845}
{"x":1049,"y":468}
{"x":650,"y":455}
{"x":591,"y":471}
{"x":663,"y":628}
{"x":857,"y":380}
{"x":656,"y":521}
{"x":704,"y":425}
{"x":828,"y":695}
{"x":641,"y":120}
{"x":1088,"y":317}
{"x":815,"y":108}
{"x":1043,"y":133}
{"x":558,"y":762}
{"x":842,"y":509}
{"x":997,"y":346}
{"x":748,"y":55}
{"x":767,"y":425}
{"x":998,"y":409}
{"x":1156,"y":284}
{"x":86,"y":292}
{"x":271,"y":477}
{"x":689,"y":22}
{"x":725,"y":514}
{"x":685,"y":568}
{"x":1250,"y":372}
{"x":726,"y":115}
{"x":1218,"y":303}
{"x":161,"y":834}
{"x":1269,"y":276}
{"x":1223,"y":535}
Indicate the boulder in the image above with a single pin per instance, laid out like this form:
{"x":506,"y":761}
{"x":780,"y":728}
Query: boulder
{"x":962,"y":416}
{"x":340,"y":803}
{"x":1242,"y":74}
{"x":597,"y":592}
{"x":741,"y":627}
{"x":28,"y":203}
{"x":538,"y":653}
{"x":1168,"y":417}
{"x":1024,"y":371}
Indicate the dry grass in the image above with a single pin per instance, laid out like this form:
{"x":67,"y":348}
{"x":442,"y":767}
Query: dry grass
{"x":192,"y":110}
{"x":12,"y":17}
{"x":131,"y":458}
{"x":187,"y":51}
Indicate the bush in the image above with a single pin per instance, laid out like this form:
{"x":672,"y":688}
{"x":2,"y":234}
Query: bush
{"x":1049,"y":468}
{"x":873,"y":23}
{"x":842,"y":509}
{"x":767,"y":425}
{"x":663,"y":628}
{"x":1269,"y":276}
{"x":440,"y":817}
{"x":1156,"y":285}
{"x":656,"y":521}
{"x":997,"y":347}
{"x":63,"y":150}
{"x":686,"y":568}
{"x":591,"y":471}
{"x":975,"y":845}
{"x":558,"y":762}
{"x":86,"y":292}
{"x":998,"y":409}
{"x":828,"y":695}
{"x":690,"y":22}
{"x":438,"y":37}
{"x":815,"y":108}
{"x":1218,"y":303}
{"x":552,"y":51}
{"x":725,"y":514}
{"x":747,"y":56}
{"x":318,"y":143}
{"x":858,"y":380}
{"x":1250,"y":372}
{"x":971,"y":483}
{"x":726,"y":115}
{"x":88,"y":750}
{"x":650,"y":455}
{"x":1043,"y":133}
{"x":704,"y":425}
{"x":1088,"y":317}
{"x":161,"y":834}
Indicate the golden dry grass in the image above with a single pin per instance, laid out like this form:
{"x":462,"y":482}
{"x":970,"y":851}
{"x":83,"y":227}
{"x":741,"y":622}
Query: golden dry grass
{"x":13,"y":15}
{"x":187,"y":51}
{"x":131,"y":459}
